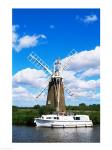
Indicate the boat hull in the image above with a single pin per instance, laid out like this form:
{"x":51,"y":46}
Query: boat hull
{"x":62,"y":124}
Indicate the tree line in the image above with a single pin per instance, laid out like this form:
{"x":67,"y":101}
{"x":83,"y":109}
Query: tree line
{"x":80,"y":107}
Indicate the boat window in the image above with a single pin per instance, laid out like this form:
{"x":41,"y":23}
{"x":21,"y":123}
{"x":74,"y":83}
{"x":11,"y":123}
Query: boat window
{"x":56,"y":117}
{"x":77,"y":118}
{"x":48,"y":118}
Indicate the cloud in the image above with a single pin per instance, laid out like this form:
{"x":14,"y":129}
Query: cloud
{"x":14,"y":34}
{"x":30,"y":77}
{"x":24,"y":94}
{"x":21,"y":92}
{"x":91,"y":73}
{"x":84,"y":60}
{"x":28,"y":83}
{"x":82,"y":65}
{"x":82,"y":84}
{"x":22,"y":97}
{"x":87,"y":19}
{"x":90,"y":19}
{"x":26,"y":41}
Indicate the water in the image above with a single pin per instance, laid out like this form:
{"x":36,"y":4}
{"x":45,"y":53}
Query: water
{"x":33,"y":134}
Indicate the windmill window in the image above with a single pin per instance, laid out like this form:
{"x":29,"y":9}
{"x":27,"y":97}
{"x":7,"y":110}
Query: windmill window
{"x":48,"y":118}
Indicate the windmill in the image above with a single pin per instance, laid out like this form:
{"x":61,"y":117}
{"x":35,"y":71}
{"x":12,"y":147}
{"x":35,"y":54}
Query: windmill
{"x":56,"y":88}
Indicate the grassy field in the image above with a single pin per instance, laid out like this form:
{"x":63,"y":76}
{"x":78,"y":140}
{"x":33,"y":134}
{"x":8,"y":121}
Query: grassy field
{"x":25,"y":116}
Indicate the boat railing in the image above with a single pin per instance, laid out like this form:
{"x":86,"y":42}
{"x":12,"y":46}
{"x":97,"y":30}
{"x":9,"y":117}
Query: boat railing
{"x":63,"y":113}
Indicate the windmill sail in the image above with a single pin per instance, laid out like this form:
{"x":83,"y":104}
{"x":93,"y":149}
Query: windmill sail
{"x":37,"y":61}
{"x":55,"y":96}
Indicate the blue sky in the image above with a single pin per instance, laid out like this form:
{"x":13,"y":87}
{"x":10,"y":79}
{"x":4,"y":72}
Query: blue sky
{"x":51,"y":34}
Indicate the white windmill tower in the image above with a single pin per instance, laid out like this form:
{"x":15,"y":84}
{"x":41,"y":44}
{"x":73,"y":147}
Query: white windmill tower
{"x":55,"y":96}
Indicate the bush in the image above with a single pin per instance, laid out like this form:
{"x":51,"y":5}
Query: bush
{"x":24,"y":116}
{"x":46,"y":110}
{"x":95,"y":117}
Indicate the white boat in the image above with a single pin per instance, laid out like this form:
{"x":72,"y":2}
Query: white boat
{"x":63,"y":121}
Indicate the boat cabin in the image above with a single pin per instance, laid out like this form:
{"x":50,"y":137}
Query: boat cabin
{"x":70,"y":118}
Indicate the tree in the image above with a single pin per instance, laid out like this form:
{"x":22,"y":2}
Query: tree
{"x":82,"y":106}
{"x":46,"y":110}
{"x":36,"y":107}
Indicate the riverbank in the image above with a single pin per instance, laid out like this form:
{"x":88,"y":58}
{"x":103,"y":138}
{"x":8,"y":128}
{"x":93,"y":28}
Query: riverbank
{"x":26,"y":115}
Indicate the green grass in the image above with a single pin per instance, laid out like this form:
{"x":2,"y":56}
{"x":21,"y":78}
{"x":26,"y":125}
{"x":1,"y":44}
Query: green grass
{"x":24,"y":116}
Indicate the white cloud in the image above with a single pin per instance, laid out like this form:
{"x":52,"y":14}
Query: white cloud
{"x":27,"y":84}
{"x":74,"y":82}
{"x":14,"y":34}
{"x":23,"y":97}
{"x":68,"y":76}
{"x":79,"y":95}
{"x":91,"y":84}
{"x":90,"y":19}
{"x":87,"y":19}
{"x":25,"y":41}
{"x":82,"y":65}
{"x":30,"y":77}
{"x":84,"y":60}
{"x":20,"y":92}
{"x":90,"y":73}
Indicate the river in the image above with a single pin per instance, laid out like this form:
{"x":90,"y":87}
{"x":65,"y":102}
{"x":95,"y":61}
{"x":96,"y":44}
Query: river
{"x":24,"y":134}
